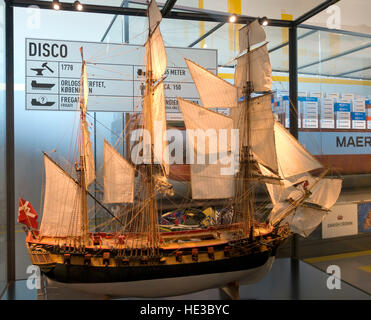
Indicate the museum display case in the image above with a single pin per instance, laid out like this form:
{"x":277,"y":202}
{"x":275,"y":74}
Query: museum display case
{"x":331,"y":83}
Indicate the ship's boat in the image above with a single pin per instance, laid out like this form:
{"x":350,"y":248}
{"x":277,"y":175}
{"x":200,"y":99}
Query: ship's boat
{"x":148,"y":252}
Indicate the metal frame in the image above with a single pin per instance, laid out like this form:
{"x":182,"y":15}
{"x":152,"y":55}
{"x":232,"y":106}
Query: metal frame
{"x":167,"y":7}
{"x":354,"y":71}
{"x":205,"y":35}
{"x":184,"y":14}
{"x":10,"y":190}
{"x":335,"y":56}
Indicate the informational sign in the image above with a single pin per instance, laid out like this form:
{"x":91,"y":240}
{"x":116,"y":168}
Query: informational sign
{"x":341,"y":221}
{"x":364,"y":217}
{"x":115,"y":75}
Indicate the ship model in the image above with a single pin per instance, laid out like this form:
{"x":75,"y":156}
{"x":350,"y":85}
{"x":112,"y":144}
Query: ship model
{"x":140,"y":258}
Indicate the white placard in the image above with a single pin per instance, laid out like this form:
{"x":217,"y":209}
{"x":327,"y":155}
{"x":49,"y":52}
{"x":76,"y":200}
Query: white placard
{"x":53,"y":69}
{"x":341,"y":221}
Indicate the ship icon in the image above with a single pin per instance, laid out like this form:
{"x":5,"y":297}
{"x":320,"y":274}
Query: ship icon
{"x":43,"y":86}
{"x":34,"y":102}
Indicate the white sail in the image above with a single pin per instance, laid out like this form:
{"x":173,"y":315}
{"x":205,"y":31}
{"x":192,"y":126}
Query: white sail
{"x":262,"y":138}
{"x":155,"y":122}
{"x":207,"y":182}
{"x":62,"y":203}
{"x":214,"y":91}
{"x":154,"y":101}
{"x":154,"y":15}
{"x":251,"y":34}
{"x":88,"y":155}
{"x":326,"y":192}
{"x":292,"y":158}
{"x":277,"y":192}
{"x":160,"y":152}
{"x":305,"y":220}
{"x":254,"y":66}
{"x":199,"y":118}
{"x":156,"y":54}
{"x":118,"y":177}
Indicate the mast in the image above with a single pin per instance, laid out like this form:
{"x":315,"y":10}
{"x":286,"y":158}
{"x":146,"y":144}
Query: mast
{"x":245,"y":194}
{"x":81,"y":166}
{"x":148,"y":170}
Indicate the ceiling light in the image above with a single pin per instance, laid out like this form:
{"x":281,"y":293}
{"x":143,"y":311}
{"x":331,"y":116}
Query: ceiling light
{"x":78,"y":6}
{"x":263,"y":21}
{"x":56,"y":5}
{"x":232,"y":18}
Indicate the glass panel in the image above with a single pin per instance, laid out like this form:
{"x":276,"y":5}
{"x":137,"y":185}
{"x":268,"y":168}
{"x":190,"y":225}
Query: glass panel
{"x":350,"y":52}
{"x":334,"y":121}
{"x":350,"y":15}
{"x":49,"y":131}
{"x":274,"y":9}
{"x":3,"y":229}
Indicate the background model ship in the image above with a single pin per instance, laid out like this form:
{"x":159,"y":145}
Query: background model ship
{"x":140,"y":257}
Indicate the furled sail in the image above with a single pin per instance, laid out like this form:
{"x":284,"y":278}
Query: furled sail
{"x":88,"y":155}
{"x":254,"y":66}
{"x":251,"y":34}
{"x":84,"y":88}
{"x":305,"y":220}
{"x":214,"y":91}
{"x":292,"y":158}
{"x":154,"y":15}
{"x":118,"y":177}
{"x":208,"y":180}
{"x":89,"y":166}
{"x":325,"y":192}
{"x":62,"y":203}
{"x":262,"y":138}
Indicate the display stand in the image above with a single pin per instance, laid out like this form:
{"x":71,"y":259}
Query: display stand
{"x":232,"y":290}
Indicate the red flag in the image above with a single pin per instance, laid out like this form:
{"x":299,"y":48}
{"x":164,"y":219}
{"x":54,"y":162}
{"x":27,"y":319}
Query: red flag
{"x":27,"y":214}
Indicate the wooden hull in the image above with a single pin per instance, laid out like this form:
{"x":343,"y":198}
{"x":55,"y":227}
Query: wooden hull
{"x":206,"y":263}
{"x":84,"y":274}
{"x":167,"y":287}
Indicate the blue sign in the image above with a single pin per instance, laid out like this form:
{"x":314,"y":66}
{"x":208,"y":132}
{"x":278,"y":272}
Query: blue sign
{"x":309,"y":99}
{"x":342,"y":107}
{"x":358,"y":116}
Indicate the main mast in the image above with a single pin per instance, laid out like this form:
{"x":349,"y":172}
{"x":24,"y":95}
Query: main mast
{"x":151,"y":209}
{"x":81,"y":166}
{"x":244,"y":192}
